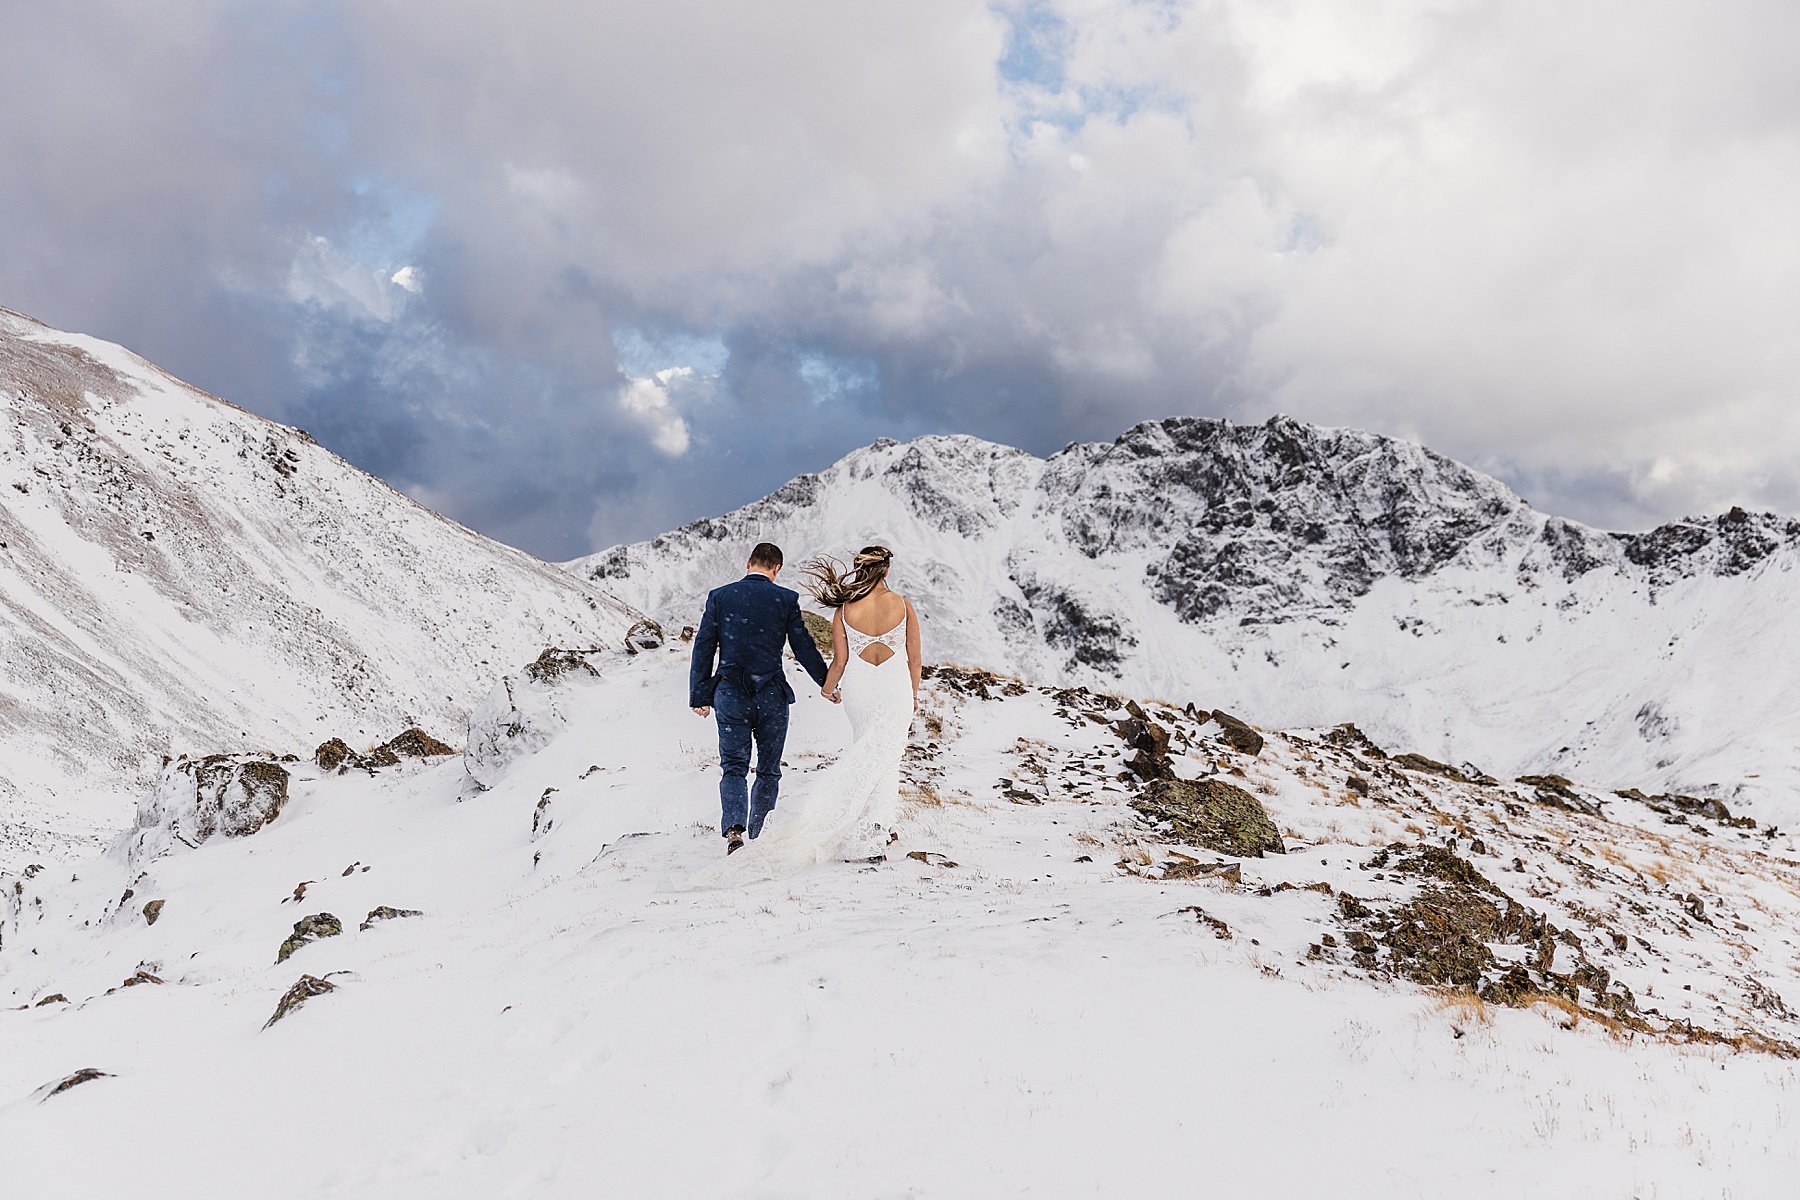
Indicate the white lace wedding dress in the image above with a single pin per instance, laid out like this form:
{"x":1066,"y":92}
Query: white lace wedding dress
{"x":842,"y":810}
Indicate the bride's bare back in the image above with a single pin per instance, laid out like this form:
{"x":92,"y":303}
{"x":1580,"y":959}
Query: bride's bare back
{"x":873,"y":616}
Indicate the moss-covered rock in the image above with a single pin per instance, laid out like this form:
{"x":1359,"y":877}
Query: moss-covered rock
{"x":1210,"y":813}
{"x":304,"y":989}
{"x":307,"y":930}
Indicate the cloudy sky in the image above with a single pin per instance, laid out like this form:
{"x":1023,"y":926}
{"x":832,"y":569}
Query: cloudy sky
{"x":576,"y":271}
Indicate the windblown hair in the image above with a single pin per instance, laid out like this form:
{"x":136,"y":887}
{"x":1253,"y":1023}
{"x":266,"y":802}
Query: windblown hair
{"x":834,"y":586}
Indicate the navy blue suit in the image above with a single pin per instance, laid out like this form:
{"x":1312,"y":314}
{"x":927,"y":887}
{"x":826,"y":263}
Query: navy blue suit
{"x":745,"y":625}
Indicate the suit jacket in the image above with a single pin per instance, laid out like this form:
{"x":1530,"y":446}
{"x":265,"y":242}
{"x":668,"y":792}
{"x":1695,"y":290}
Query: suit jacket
{"x":744,"y":627}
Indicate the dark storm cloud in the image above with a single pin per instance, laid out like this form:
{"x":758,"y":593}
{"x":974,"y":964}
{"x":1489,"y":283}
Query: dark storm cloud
{"x":574,"y":273}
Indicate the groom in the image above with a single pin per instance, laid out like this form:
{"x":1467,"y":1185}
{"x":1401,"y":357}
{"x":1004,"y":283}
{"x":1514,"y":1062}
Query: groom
{"x":744,"y":626}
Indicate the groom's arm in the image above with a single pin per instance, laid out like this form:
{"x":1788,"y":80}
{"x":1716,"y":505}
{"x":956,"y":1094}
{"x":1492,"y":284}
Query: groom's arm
{"x":805,"y":649}
{"x":700,"y":668}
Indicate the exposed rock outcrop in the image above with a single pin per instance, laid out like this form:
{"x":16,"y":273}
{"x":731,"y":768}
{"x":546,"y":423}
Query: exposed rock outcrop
{"x":1210,"y":813}
{"x":309,"y":929}
{"x":304,"y":989}
{"x":197,"y":799}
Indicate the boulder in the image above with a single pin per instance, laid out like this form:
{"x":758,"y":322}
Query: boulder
{"x":307,"y":930}
{"x":304,"y":989}
{"x":152,"y":911}
{"x":333,"y":755}
{"x":1210,"y":813}
{"x":197,"y":799}
{"x":416,"y":743}
{"x":645,"y":635}
{"x":1237,"y":734}
{"x":524,"y":713}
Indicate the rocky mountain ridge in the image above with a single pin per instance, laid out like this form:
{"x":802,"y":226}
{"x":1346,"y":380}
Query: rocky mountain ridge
{"x":1310,"y":576}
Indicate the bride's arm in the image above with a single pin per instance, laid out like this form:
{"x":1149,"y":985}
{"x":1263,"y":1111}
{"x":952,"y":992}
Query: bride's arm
{"x":840,"y":648}
{"x":914,"y":656}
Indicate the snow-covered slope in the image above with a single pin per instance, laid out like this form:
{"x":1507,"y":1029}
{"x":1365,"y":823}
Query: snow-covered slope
{"x":1032,"y":994}
{"x":178,"y":574}
{"x":1310,"y":576}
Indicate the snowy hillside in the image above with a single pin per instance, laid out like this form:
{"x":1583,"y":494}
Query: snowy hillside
{"x":1048,"y":986}
{"x":1311,"y":576}
{"x":178,"y":574}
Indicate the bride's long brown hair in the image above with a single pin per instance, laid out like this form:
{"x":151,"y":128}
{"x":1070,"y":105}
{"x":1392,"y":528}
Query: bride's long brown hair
{"x":834,"y":585}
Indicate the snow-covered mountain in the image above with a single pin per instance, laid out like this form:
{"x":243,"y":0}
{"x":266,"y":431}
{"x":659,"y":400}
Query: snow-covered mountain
{"x":1306,"y":576}
{"x":177,"y":574}
{"x":399,"y":986}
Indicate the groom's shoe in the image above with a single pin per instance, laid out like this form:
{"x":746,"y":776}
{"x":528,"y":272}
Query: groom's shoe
{"x":734,"y":839}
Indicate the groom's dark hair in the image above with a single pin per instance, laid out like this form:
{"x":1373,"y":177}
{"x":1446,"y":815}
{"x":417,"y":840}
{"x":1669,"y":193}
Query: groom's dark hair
{"x":766,"y":554}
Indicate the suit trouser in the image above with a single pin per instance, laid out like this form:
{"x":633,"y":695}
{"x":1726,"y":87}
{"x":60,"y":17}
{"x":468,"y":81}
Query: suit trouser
{"x":762,"y":719}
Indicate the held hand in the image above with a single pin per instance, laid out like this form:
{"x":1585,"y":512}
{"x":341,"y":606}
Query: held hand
{"x":703,"y":712}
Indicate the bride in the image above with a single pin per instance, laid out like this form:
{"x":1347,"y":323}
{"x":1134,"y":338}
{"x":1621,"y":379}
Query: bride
{"x":875,"y":666}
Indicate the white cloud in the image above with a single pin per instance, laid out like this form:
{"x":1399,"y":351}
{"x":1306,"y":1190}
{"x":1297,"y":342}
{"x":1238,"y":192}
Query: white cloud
{"x":649,"y":401}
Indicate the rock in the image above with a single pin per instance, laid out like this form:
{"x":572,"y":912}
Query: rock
{"x":152,"y":911}
{"x":304,"y":989}
{"x":139,"y":978}
{"x":1357,"y":784}
{"x":309,"y":929}
{"x":523,"y":713}
{"x":52,"y":998}
{"x":386,"y":913}
{"x":688,"y":631}
{"x":333,"y":755}
{"x":1147,"y":767}
{"x":1349,"y":737}
{"x":1210,"y":813}
{"x":1558,"y":792}
{"x":1238,"y":735}
{"x":196,"y":799}
{"x":645,"y":635}
{"x":554,"y":663}
{"x":1220,"y":929}
{"x":381,"y":756}
{"x":541,"y":820}
{"x":1427,"y":766}
{"x":416,"y":743}
{"x":1193,"y":868}
{"x":85,"y":1075}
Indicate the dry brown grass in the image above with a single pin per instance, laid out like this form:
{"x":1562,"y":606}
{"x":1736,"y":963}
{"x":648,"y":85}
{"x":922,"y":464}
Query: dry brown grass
{"x":1465,"y":1007}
